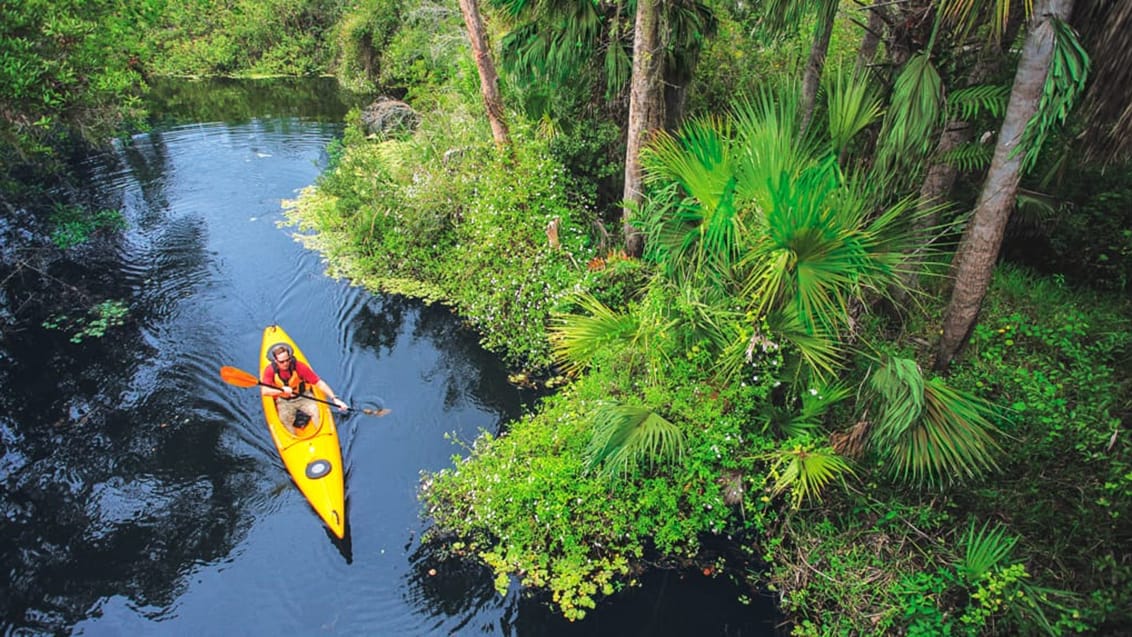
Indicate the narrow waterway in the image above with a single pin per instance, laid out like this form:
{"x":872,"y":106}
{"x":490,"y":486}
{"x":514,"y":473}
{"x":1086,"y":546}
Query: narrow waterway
{"x":142,"y":495}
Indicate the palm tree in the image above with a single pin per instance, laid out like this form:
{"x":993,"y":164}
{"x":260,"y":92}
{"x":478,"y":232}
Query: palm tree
{"x":558,"y":43}
{"x":1038,"y":100}
{"x":489,"y":81}
{"x":766,"y":214}
{"x":646,"y":112}
{"x":925,"y":431}
{"x":782,"y":14}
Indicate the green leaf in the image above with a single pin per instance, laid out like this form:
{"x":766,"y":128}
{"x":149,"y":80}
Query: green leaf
{"x":627,"y":438}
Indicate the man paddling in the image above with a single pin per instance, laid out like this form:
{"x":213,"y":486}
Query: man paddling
{"x":296,"y":410}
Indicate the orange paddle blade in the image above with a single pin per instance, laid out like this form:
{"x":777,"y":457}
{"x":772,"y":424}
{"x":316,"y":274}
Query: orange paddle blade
{"x":237,"y":377}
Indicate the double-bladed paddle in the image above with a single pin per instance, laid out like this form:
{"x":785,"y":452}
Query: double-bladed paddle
{"x":240,"y":378}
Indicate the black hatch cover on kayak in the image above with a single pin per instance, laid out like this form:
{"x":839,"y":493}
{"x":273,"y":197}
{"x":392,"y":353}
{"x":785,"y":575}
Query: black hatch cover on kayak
{"x":318,"y":469}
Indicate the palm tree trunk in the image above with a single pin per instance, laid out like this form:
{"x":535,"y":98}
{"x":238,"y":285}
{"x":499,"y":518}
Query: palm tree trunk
{"x":646,"y":110}
{"x":940,"y":176}
{"x":871,"y":39}
{"x":978,"y":250}
{"x":814,"y":66}
{"x":489,"y":80}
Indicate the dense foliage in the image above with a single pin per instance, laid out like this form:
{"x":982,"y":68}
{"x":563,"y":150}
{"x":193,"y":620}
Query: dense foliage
{"x":68,"y":71}
{"x":273,"y":37}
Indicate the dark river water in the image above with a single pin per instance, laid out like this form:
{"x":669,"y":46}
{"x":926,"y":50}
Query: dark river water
{"x":143,"y":496}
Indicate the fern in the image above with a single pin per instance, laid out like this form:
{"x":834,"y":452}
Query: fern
{"x":967,"y":103}
{"x":968,"y":157}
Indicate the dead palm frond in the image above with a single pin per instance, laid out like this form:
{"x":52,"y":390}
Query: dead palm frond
{"x":1105,"y":27}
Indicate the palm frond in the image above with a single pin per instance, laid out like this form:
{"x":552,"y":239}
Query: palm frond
{"x":1105,"y":27}
{"x":700,"y":235}
{"x":968,"y":157}
{"x":899,"y":385}
{"x":928,"y":432}
{"x":854,"y":104}
{"x":628,"y":438}
{"x":702,"y":314}
{"x":768,"y":147}
{"x":576,"y":339}
{"x":815,"y":403}
{"x":815,"y":347}
{"x":805,"y":473}
{"x":965,"y":14}
{"x":958,"y":434}
{"x":913,"y":115}
{"x":967,"y":103}
{"x":698,"y":158}
{"x":984,"y":550}
{"x":1068,"y":73}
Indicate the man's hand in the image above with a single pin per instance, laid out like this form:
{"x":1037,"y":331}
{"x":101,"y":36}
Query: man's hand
{"x":288,"y":391}
{"x":341,"y":405}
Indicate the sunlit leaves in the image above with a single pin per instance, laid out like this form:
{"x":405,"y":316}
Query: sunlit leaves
{"x":805,"y":473}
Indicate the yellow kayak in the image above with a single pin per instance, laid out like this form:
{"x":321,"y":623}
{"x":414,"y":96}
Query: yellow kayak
{"x":313,"y":457}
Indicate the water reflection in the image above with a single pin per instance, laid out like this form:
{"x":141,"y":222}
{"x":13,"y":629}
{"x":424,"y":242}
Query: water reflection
{"x":142,"y":495}
{"x":174,"y":101}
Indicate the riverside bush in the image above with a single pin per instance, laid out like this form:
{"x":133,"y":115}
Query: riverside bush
{"x":1056,"y":357}
{"x":245,"y":37}
{"x":470,"y":227}
{"x":524,"y":504}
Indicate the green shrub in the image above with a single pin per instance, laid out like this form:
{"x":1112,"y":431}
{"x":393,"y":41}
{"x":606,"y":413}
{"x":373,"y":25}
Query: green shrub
{"x":363,"y":35}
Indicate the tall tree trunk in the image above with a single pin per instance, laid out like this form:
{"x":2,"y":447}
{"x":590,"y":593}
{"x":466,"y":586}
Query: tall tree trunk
{"x":814,"y":66}
{"x":940,"y":177}
{"x":871,"y":39}
{"x":646,"y":110}
{"x":978,"y":250}
{"x":489,"y":80}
